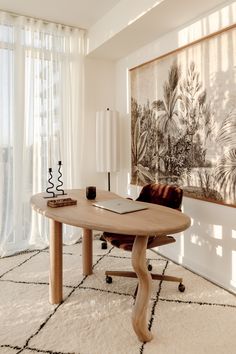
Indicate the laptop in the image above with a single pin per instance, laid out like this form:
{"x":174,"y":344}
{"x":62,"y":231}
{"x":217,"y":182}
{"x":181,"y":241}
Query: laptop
{"x":120,"y":206}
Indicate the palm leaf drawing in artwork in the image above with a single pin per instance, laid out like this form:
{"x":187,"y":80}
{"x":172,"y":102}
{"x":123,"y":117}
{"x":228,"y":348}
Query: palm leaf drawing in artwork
{"x":140,"y":174}
{"x":166,"y":109}
{"x":208,"y":185}
{"x":138,"y":144}
{"x":148,"y":124}
{"x":167,"y":114}
{"x":195,"y":112}
{"x":227,"y":131}
{"x":225,"y":172}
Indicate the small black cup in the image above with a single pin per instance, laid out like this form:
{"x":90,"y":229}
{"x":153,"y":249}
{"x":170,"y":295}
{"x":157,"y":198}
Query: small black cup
{"x":91,"y":192}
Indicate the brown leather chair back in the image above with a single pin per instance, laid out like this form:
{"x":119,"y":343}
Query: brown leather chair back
{"x":163,"y":194}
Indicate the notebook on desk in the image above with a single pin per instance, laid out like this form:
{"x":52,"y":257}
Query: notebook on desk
{"x":120,"y":206}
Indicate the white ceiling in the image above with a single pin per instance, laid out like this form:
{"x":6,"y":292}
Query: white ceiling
{"x":78,"y":13}
{"x":168,"y":15}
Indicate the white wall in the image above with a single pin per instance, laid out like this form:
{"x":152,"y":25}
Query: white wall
{"x":99,"y":95}
{"x":209,"y":246}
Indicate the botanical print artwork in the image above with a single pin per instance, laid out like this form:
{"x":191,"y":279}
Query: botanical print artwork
{"x":183,"y":119}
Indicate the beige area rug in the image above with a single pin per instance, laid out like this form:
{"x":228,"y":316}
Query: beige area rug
{"x":95,"y":317}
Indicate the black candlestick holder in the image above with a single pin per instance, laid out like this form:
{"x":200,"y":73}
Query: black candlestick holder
{"x":49,"y":189}
{"x":62,"y":192}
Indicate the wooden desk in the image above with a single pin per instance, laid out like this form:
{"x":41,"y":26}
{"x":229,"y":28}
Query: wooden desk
{"x":156,"y":220}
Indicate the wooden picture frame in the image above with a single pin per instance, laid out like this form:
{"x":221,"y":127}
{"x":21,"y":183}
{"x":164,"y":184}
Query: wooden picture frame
{"x":183,"y":119}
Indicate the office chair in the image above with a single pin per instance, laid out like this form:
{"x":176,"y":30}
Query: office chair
{"x":157,"y":193}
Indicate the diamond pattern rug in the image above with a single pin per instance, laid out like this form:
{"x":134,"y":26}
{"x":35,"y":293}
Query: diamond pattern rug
{"x":95,"y":317}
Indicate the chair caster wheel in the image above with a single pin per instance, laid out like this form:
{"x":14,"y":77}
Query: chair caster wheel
{"x":108,"y":279}
{"x":181,"y":287}
{"x":149,"y":267}
{"x":104,"y":246}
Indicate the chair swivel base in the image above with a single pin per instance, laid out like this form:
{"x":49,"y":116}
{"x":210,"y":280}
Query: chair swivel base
{"x":130,"y":274}
{"x":104,"y":243}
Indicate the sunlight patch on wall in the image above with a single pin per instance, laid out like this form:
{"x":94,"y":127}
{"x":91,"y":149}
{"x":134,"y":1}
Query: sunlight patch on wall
{"x":233,"y":233}
{"x":211,"y":23}
{"x":181,"y":255}
{"x":144,"y":12}
{"x":217,"y":232}
{"x":219,"y":251}
{"x":214,"y":21}
{"x":225,"y":15}
{"x":127,"y":92}
{"x":233,"y":281}
{"x":190,"y":33}
{"x":87,"y":45}
{"x":234,"y":11}
{"x":128,"y":184}
{"x":195,"y":240}
{"x":224,"y":49}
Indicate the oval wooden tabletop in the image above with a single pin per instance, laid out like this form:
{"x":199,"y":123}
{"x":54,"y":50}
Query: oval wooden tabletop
{"x":156,"y":220}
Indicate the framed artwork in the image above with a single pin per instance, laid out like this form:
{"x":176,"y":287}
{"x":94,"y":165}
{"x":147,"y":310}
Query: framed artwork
{"x":183,"y":119}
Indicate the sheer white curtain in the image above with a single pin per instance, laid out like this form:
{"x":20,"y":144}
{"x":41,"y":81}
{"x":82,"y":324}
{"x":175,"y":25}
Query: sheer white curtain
{"x":41,"y":122}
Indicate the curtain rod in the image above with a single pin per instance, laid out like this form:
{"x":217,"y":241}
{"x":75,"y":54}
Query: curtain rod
{"x":46,"y":22}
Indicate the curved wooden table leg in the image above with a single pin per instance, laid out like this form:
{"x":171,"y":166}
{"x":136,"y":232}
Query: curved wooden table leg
{"x":87,"y":252}
{"x":139,"y":316}
{"x":55,"y":251}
